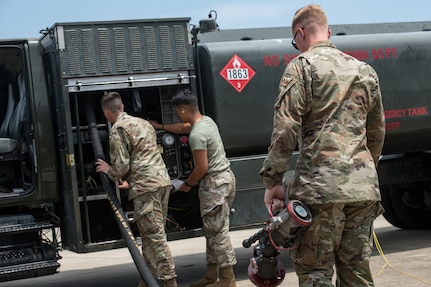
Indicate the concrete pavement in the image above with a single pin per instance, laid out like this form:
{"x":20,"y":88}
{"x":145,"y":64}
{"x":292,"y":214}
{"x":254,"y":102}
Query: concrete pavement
{"x":405,"y":262}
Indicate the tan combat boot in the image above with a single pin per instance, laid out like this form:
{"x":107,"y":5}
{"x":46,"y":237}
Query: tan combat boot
{"x":227,"y":278}
{"x":210,"y":277}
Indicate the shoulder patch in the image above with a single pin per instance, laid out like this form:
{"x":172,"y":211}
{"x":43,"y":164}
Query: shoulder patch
{"x":285,"y":80}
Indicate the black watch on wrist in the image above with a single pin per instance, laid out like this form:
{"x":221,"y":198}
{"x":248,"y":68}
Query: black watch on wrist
{"x":187,"y":184}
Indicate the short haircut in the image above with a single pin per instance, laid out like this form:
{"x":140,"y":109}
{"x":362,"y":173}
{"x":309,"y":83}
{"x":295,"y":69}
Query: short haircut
{"x":185,"y":98}
{"x":112,"y":102}
{"x":310,"y":14}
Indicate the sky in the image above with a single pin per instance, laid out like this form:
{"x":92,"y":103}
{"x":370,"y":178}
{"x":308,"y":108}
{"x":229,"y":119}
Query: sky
{"x":25,"y":18}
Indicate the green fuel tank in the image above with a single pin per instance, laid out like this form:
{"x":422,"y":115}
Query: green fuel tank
{"x":240,"y":83}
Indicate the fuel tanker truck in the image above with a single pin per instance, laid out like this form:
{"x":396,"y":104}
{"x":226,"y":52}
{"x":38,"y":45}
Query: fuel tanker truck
{"x":52,"y":129}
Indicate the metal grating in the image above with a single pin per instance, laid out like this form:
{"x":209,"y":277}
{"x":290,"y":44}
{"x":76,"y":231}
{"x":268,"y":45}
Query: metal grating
{"x":165,"y":44}
{"x":73,"y":52}
{"x":180,"y":46}
{"x":120,"y":49}
{"x":135,"y":49}
{"x":25,"y":227}
{"x":28,"y":270}
{"x":88,"y":50}
{"x":130,"y":47}
{"x":105,"y":52}
{"x":150,"y":44}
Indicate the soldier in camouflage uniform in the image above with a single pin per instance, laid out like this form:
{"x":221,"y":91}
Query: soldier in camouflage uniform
{"x":136,"y":159}
{"x":330,"y":106}
{"x":216,"y":187}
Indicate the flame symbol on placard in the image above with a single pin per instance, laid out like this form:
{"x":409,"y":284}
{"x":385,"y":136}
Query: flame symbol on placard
{"x":236,"y":63}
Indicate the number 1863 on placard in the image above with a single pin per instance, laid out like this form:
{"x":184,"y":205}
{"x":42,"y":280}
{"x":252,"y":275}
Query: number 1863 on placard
{"x":237,"y":74}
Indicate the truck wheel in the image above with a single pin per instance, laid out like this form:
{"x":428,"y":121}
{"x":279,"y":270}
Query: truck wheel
{"x":408,"y":205}
{"x":389,"y":213}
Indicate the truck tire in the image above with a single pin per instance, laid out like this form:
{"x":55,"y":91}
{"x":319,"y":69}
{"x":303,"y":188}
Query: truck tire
{"x":408,"y":205}
{"x":389,"y":213}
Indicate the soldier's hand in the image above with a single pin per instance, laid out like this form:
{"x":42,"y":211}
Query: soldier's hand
{"x":274,"y":197}
{"x":123,"y":184}
{"x":185,"y":188}
{"x":102,"y":166}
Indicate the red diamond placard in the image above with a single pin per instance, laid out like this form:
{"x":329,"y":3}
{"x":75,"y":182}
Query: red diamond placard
{"x":237,"y":73}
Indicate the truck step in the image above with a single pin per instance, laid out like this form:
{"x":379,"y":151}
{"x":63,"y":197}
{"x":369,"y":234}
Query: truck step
{"x":25,"y":227}
{"x":28,"y":270}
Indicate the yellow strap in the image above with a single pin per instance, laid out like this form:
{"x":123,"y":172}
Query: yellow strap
{"x":380,"y":250}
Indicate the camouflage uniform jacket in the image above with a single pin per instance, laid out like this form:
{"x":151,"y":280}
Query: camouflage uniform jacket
{"x":330,"y":106}
{"x":135,"y":156}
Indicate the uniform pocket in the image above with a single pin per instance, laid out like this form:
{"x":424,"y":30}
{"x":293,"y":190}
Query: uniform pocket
{"x":220,"y":179}
{"x":142,"y":207}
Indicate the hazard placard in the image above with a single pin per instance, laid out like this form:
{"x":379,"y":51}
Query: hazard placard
{"x":237,"y":73}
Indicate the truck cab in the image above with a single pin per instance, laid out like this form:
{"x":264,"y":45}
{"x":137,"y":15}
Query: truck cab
{"x":28,"y":185}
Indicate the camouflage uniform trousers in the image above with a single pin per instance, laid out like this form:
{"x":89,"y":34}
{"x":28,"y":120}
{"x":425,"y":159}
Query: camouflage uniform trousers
{"x":341,"y":235}
{"x":150,"y":216}
{"x":215,"y":228}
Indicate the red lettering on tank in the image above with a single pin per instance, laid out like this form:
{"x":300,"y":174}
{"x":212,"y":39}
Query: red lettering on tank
{"x":386,"y":53}
{"x":392,"y":126}
{"x":378,"y":54}
{"x":391,"y":53}
{"x":273,"y":60}
{"x":398,"y":113}
{"x":287,"y":58}
{"x":417,"y":112}
{"x":407,"y":112}
{"x":361,"y":55}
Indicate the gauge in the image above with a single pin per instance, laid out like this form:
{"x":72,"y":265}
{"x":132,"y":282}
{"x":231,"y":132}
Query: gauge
{"x":184,"y":140}
{"x":168,"y":140}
